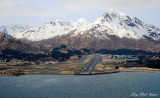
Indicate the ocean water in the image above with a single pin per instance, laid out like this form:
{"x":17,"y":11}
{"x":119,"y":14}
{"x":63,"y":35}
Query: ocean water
{"x":117,"y":85}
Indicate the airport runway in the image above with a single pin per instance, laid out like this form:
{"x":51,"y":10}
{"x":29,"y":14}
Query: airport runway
{"x":91,"y":64}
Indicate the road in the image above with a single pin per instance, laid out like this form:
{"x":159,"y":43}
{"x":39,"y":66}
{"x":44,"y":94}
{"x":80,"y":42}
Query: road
{"x":91,"y":64}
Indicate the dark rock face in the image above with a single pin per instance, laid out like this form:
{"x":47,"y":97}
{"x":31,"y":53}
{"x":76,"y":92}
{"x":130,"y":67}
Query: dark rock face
{"x":114,"y":42}
{"x":9,"y":42}
{"x":79,"y":42}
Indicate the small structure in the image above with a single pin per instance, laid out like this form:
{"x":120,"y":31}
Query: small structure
{"x":51,"y":61}
{"x":117,"y":67}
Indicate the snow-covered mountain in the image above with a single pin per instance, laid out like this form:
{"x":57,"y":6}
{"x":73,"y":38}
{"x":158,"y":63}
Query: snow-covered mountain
{"x":112,"y":30}
{"x":14,"y":28}
{"x":121,"y":25}
{"x":9,"y":42}
{"x":110,"y":23}
{"x":45,"y":31}
{"x":49,"y":30}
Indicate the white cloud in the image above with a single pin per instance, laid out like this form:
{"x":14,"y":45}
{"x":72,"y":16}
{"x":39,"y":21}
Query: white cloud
{"x":62,"y":8}
{"x":23,"y":8}
{"x":10,"y":8}
{"x":91,"y":5}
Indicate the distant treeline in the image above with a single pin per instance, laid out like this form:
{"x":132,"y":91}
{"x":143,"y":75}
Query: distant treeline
{"x":125,"y":52}
{"x":153,"y":63}
{"x":64,"y":56}
{"x":64,"y":52}
{"x":21,"y":55}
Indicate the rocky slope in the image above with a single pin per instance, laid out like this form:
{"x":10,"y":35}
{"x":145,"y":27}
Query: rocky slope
{"x":9,"y":42}
{"x":110,"y":23}
{"x":112,"y":30}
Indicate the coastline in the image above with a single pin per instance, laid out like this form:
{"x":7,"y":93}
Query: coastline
{"x":96,"y":72}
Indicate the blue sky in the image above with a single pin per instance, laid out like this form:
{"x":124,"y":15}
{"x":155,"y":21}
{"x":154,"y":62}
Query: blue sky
{"x":36,"y":12}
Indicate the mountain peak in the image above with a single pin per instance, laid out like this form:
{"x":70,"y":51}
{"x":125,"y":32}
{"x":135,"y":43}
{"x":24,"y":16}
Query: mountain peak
{"x":81,"y":20}
{"x":113,"y":11}
{"x":110,"y":14}
{"x":111,"y":23}
{"x":13,"y":28}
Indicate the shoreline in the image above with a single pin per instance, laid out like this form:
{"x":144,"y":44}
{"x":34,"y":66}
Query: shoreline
{"x":93,"y":73}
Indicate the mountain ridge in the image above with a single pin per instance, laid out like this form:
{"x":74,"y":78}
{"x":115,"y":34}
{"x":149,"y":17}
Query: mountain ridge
{"x":112,"y":23}
{"x":9,"y":42}
{"x":112,"y":30}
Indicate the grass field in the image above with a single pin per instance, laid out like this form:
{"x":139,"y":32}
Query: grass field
{"x":66,"y":67}
{"x":59,"y":68}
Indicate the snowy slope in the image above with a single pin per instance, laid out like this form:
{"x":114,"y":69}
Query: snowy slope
{"x":121,"y":25}
{"x":45,"y":31}
{"x":11,"y":29}
{"x":110,"y":23}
